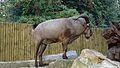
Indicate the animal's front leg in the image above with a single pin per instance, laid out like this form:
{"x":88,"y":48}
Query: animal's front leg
{"x":65,"y":50}
{"x":42,"y":49}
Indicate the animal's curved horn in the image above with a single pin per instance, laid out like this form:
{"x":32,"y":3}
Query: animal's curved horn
{"x":86,"y":17}
{"x":74,"y":17}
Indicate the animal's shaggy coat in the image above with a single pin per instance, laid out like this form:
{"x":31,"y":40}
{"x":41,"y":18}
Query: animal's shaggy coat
{"x":63,"y":30}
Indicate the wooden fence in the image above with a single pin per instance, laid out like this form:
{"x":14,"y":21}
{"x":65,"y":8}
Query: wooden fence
{"x":16,"y":43}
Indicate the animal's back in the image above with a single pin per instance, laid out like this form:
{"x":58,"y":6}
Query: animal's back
{"x":52,"y":28}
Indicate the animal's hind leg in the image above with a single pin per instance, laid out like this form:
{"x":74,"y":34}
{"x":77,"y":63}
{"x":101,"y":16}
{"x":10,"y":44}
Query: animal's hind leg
{"x":42,"y":49}
{"x":37,"y":47}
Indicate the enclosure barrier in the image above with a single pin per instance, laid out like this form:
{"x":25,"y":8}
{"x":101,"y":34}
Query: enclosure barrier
{"x":16,"y":43}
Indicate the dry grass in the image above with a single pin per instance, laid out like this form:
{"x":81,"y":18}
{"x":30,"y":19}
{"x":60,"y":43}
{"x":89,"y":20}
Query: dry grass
{"x":16,"y":44}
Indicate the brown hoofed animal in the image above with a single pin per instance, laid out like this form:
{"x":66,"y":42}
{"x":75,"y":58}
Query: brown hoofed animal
{"x":63,"y":30}
{"x":113,"y":40}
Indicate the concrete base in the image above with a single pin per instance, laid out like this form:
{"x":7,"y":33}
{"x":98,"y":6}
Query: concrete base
{"x":34,"y":67}
{"x":31,"y":63}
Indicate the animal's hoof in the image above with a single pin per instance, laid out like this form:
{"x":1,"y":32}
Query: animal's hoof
{"x":41,"y":64}
{"x":64,"y":57}
{"x":36,"y":65}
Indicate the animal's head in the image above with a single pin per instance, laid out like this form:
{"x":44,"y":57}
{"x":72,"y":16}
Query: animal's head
{"x":85,"y":23}
{"x":87,"y":29}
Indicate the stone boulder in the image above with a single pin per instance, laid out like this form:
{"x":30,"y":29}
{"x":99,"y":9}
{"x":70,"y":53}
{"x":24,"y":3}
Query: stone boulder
{"x":57,"y":58}
{"x":61,"y":63}
{"x":58,"y":62}
{"x":88,"y":59}
{"x":92,"y":59}
{"x":50,"y":58}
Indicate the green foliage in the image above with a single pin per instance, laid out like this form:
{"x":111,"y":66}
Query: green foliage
{"x":30,"y":20}
{"x":106,"y":12}
{"x":47,"y":16}
{"x":3,"y":11}
{"x":2,"y":20}
{"x":36,"y":11}
{"x":100,"y":11}
{"x":23,"y":19}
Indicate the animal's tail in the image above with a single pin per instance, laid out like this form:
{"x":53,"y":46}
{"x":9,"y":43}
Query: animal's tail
{"x":35,"y":25}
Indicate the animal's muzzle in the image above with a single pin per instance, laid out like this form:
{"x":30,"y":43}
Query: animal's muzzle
{"x":87,"y":37}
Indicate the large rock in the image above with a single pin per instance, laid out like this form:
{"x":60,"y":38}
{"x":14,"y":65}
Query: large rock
{"x":70,"y":54}
{"x":19,"y":64}
{"x":61,"y":64}
{"x":107,"y":64}
{"x":47,"y":59}
{"x":87,"y":59}
{"x":93,"y":59}
{"x":13,"y":65}
{"x":50,"y":58}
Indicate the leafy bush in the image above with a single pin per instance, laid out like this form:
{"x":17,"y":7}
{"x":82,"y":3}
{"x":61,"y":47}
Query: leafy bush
{"x":47,"y":16}
{"x":27,"y":19}
{"x":2,"y":20}
{"x":35,"y":12}
{"x":100,"y":11}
